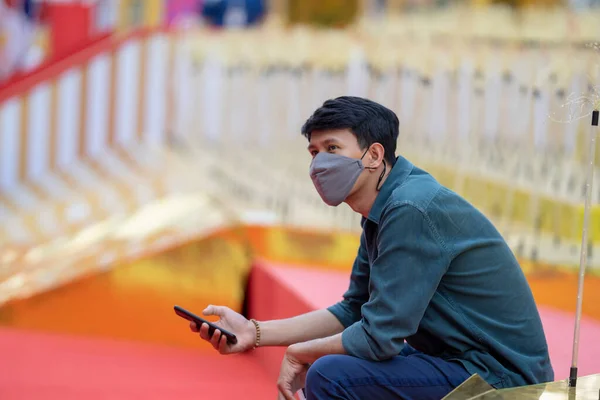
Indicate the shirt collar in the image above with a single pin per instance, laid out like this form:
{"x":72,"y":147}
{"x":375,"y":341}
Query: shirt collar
{"x":400,"y":171}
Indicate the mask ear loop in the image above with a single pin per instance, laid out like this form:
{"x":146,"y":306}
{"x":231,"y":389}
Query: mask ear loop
{"x":382,"y":172}
{"x":363,"y":156}
{"x":381,"y":176}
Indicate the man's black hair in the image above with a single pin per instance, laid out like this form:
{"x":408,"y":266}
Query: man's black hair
{"x":370,"y":122}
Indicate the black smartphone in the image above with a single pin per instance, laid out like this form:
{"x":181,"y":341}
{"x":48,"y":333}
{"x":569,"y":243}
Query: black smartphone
{"x":183,"y":313}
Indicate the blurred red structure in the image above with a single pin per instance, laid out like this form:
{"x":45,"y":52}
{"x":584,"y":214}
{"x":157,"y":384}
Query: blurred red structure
{"x":70,"y":26}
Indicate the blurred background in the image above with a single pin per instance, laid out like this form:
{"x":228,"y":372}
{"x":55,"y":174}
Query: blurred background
{"x":150,"y":155}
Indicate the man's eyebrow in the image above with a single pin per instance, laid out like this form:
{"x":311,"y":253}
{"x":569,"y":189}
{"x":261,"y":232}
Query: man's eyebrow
{"x":331,"y":140}
{"x":325,"y":141}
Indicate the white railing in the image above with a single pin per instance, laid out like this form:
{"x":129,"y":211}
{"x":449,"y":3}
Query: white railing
{"x":487,"y":121}
{"x":226,"y":116}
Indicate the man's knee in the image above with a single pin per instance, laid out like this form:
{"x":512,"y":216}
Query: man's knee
{"x":323,"y":374}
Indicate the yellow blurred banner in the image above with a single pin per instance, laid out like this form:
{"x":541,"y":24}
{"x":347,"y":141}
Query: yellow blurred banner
{"x":297,"y":246}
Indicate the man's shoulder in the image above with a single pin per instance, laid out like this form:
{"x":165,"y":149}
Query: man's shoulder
{"x":418,"y":190}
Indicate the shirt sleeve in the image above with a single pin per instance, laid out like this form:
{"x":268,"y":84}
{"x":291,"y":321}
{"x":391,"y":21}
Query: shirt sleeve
{"x":347,"y":311}
{"x":403,"y":278}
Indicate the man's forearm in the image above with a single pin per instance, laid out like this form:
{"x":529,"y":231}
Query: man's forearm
{"x":313,"y":325}
{"x":311,"y":351}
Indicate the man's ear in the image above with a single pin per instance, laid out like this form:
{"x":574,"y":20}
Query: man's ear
{"x":377,"y":153}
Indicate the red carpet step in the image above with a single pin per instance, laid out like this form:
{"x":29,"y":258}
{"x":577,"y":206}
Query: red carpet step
{"x":61,"y":367}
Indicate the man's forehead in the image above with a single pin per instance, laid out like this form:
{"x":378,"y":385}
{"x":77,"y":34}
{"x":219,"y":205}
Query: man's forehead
{"x":320,"y":138}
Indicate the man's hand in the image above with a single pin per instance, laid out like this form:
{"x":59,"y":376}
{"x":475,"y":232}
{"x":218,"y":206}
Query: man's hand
{"x":234,"y":323}
{"x":292,"y":375}
{"x":297,"y":359}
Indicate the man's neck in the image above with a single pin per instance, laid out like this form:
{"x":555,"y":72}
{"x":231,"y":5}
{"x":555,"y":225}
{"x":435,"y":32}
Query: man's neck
{"x":363,"y":204}
{"x":362,"y":201}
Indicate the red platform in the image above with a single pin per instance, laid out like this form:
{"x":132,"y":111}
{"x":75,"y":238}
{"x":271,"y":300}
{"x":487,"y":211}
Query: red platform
{"x":279,"y":291}
{"x":53,"y":367}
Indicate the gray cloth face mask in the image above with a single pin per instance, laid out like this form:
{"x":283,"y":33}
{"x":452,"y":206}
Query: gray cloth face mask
{"x":334,"y":176}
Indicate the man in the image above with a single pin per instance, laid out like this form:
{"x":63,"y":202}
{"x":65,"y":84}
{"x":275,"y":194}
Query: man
{"x":435,"y":295}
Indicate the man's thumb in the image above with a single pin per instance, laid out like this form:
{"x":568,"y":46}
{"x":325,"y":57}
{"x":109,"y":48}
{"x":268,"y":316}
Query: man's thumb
{"x":214,"y":310}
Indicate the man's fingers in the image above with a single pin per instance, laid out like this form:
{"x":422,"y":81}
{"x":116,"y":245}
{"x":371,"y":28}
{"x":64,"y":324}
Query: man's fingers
{"x":284,"y":391}
{"x":288,"y":395}
{"x":204,"y":332}
{"x":280,"y":390}
{"x":216,"y":337}
{"x":223,"y":344}
{"x":194,"y":327}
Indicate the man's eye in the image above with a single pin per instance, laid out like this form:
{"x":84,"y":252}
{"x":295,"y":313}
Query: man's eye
{"x":314,"y":153}
{"x":332,"y":148}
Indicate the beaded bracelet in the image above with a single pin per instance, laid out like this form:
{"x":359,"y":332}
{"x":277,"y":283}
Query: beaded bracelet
{"x":255,"y":322}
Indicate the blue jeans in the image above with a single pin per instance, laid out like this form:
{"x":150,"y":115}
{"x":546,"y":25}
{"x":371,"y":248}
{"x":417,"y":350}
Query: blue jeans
{"x":410,"y":376}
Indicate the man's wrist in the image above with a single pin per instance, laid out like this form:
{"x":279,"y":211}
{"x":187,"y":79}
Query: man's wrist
{"x":309,"y":352}
{"x":255,"y":325}
{"x":303,"y":352}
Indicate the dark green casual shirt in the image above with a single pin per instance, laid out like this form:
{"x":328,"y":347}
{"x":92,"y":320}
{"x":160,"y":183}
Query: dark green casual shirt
{"x":433,"y":271}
